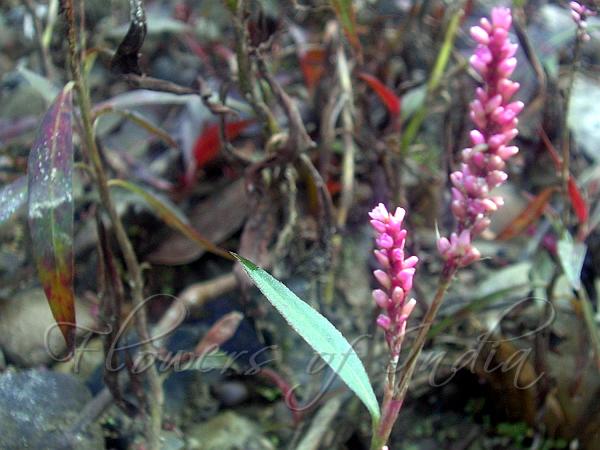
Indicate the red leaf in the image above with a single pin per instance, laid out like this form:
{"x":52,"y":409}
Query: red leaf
{"x":50,"y":200}
{"x":577,"y":202}
{"x":387,"y":96}
{"x":209,"y":142}
{"x":312,"y":64}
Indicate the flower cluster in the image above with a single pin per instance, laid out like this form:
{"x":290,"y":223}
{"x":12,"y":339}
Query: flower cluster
{"x":495,"y":120}
{"x":580,"y":13}
{"x":395,"y":277}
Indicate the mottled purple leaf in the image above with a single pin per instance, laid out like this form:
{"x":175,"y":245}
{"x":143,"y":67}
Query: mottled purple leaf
{"x":50,"y":185}
{"x":13,"y":197}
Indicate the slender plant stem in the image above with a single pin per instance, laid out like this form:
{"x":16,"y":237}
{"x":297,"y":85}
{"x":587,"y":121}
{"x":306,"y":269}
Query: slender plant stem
{"x":155,"y":399}
{"x":389,"y":409}
{"x":411,"y":363}
{"x":395,"y":391}
{"x":348,"y":163}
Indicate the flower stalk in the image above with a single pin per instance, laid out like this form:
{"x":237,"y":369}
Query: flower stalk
{"x":495,"y":118}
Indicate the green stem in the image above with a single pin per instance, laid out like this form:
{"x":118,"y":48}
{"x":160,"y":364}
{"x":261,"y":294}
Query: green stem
{"x":155,"y":400}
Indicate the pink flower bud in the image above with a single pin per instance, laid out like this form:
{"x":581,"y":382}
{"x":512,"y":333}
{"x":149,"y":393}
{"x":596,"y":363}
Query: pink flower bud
{"x":443,"y":245}
{"x":398,"y":295}
{"x":507,"y":67}
{"x":478,"y":65}
{"x":476,"y":137}
{"x":486,"y":25}
{"x":381,"y":298}
{"x":480,"y":35}
{"x":384,"y":321}
{"x":383,"y":278}
{"x":382,"y":258}
{"x":411,"y":262}
{"x":501,"y":17}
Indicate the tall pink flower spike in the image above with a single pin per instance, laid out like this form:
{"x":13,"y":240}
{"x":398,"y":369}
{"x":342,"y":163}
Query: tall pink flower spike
{"x":495,"y":120}
{"x":395,"y":277}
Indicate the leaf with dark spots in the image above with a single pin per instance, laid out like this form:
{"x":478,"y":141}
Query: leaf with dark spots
{"x":209,"y":142}
{"x":13,"y":198}
{"x":126,"y":59}
{"x":385,"y":94}
{"x":50,"y":205}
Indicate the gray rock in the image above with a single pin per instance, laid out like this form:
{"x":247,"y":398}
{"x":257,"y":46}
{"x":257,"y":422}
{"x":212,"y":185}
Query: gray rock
{"x":37,"y":408}
{"x":25,"y":320}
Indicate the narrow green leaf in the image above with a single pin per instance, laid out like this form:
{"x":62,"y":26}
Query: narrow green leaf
{"x":444,"y":55}
{"x":318,"y":332}
{"x":346,"y":14}
{"x":50,"y":210}
{"x":433,"y":83}
{"x":169,"y":214}
{"x":142,"y":122}
{"x":571,"y":255}
{"x":13,"y":197}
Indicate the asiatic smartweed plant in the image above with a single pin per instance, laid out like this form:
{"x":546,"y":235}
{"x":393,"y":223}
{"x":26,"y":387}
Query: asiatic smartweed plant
{"x":482,"y":169}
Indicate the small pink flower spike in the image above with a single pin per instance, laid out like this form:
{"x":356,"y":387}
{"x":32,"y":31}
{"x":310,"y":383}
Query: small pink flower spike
{"x":580,"y":13}
{"x":495,"y":120}
{"x":396,"y":276}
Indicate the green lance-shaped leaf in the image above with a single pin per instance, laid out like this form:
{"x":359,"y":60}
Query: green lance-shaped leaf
{"x":168,"y":213}
{"x":13,"y":197}
{"x":319,"y":333}
{"x":50,"y":202}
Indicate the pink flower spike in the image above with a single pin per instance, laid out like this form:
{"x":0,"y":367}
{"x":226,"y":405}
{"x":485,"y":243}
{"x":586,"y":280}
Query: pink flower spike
{"x":396,"y":274}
